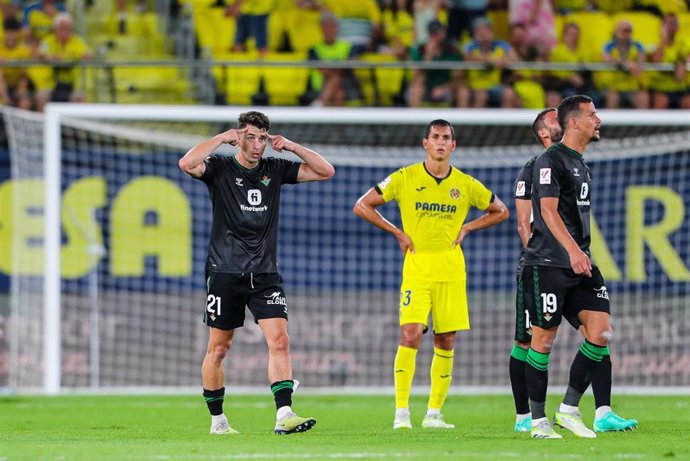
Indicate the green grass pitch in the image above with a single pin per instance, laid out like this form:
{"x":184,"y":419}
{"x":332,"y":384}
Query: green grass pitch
{"x":162,"y":428}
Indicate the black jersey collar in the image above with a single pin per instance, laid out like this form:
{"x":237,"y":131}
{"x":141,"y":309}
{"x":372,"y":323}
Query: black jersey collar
{"x":244,"y":168}
{"x":438,"y":180}
{"x":569,"y":151}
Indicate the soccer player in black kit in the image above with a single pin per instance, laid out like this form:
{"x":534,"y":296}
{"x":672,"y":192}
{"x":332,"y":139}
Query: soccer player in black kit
{"x":241,"y":269}
{"x":558,"y":278}
{"x":548,"y":132}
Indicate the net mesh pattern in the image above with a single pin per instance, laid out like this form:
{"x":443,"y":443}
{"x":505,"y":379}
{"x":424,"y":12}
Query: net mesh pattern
{"x":135,"y":233}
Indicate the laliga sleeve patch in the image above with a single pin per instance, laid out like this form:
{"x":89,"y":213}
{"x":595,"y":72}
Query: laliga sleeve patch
{"x":545,"y":176}
{"x":384,"y":183}
{"x":520,"y":189}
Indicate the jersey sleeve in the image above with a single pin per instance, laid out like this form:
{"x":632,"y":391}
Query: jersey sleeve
{"x":390,"y":187}
{"x":212,"y":167}
{"x":288,"y":170}
{"x":547,"y":176}
{"x":522,"y":189}
{"x":480,"y":196}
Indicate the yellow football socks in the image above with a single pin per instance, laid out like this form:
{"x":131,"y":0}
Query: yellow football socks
{"x":441,"y":376}
{"x":404,"y":372}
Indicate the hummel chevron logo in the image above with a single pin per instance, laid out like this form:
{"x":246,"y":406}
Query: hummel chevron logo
{"x":419,"y":189}
{"x":445,"y":376}
{"x":399,"y":371}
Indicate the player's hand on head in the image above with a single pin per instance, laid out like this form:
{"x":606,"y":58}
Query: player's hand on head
{"x":233,"y":136}
{"x":278,"y":143}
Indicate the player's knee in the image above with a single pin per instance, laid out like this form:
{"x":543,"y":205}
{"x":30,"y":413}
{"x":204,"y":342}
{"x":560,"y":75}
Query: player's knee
{"x":219,"y":351}
{"x":445,"y":341}
{"x":279,"y":343}
{"x":543,"y":345}
{"x":411,"y":339}
{"x":604,"y":337}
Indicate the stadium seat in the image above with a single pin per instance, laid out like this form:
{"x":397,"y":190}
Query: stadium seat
{"x":285,"y":85}
{"x":215,"y":32}
{"x":239,"y":83}
{"x":127,"y":46}
{"x":277,"y":29}
{"x":304,"y":29}
{"x":149,"y":84}
{"x":500,"y":21}
{"x":646,"y":26}
{"x":595,"y":30}
{"x":380,"y":85}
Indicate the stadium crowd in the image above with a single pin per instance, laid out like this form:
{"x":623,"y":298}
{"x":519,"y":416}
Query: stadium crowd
{"x":490,"y":38}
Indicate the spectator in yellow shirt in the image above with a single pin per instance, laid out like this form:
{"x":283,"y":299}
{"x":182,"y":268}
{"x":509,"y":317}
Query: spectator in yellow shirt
{"x":252,"y":21}
{"x":333,"y":86}
{"x":16,"y":88}
{"x":627,"y":84}
{"x":360,"y":22}
{"x":668,"y":87}
{"x":60,"y":49}
{"x":485,"y":85}
{"x":563,"y":83}
{"x":37,"y":20}
{"x":398,"y":24}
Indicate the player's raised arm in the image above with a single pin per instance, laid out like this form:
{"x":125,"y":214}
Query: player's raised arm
{"x":314,"y":168}
{"x":192,"y":162}
{"x":365,"y":208}
{"x":495,"y":213}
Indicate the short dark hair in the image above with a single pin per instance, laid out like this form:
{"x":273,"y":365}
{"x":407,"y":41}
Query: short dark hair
{"x":439,"y":122}
{"x":435,"y":27}
{"x":571,"y":25}
{"x":254,"y":118}
{"x":570,"y":107}
{"x":539,"y":124}
{"x":12,"y":23}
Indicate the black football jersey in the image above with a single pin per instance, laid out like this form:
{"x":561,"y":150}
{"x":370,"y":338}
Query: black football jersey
{"x":244,"y":231}
{"x":562,"y":173}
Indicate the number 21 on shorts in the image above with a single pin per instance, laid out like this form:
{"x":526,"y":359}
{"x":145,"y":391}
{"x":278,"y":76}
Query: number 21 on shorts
{"x":213,"y":304}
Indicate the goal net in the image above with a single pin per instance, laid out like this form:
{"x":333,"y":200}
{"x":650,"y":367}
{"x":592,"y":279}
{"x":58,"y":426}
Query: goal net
{"x":109,"y":240}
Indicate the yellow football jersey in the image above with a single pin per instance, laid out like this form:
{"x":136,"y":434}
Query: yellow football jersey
{"x":433,"y":211}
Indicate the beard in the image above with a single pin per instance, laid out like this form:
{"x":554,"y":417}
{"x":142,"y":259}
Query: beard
{"x":556,"y":135}
{"x":595,"y":137}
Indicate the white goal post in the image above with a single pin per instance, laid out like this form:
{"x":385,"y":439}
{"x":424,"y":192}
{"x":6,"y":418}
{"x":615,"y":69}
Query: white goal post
{"x":644,"y":166}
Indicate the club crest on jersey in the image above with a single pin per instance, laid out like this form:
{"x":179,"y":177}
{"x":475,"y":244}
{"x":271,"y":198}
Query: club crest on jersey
{"x":238,"y":182}
{"x":520,"y":189}
{"x":265,"y":180}
{"x":454,"y":193}
{"x":545,"y":176}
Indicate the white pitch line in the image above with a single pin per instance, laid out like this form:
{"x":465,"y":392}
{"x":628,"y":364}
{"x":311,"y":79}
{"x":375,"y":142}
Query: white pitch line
{"x":388,"y":455}
{"x":292,"y":456}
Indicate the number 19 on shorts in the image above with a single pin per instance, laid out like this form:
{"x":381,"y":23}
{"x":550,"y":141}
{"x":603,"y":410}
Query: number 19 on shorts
{"x":549,"y":303}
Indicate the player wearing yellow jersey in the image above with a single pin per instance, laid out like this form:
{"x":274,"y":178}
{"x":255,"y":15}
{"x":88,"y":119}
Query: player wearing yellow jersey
{"x":434,"y":198}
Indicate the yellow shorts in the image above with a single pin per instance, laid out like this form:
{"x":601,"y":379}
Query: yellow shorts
{"x":446,"y":301}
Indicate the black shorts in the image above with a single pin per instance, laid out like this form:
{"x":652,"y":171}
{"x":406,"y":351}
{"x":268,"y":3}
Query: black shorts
{"x":523,"y":326}
{"x":551,"y":293}
{"x":229,"y":294}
